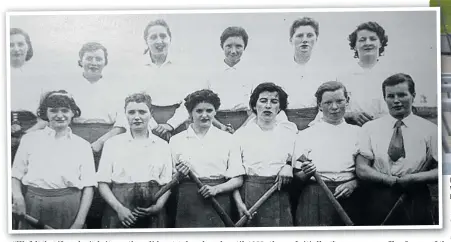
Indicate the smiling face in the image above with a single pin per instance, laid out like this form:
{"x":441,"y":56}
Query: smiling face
{"x":333,"y":105}
{"x":399,"y":100}
{"x":59,"y":117}
{"x":304,"y":39}
{"x":203,"y":114}
{"x":93,"y":62}
{"x":233,"y":49}
{"x":267,"y":106}
{"x":18,"y":50}
{"x":158,"y":40}
{"x":367,"y":43}
{"x":138,"y":116}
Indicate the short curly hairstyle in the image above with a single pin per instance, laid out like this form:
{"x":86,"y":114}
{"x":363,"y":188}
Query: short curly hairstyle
{"x":268,"y":87}
{"x":202,"y":96}
{"x":91,"y":47}
{"x":234,"y":31}
{"x":157,"y":22}
{"x":139,"y":98}
{"x":14,"y":31}
{"x":305,"y":21}
{"x":330,"y":86}
{"x":57,"y":99}
{"x":373,"y":27}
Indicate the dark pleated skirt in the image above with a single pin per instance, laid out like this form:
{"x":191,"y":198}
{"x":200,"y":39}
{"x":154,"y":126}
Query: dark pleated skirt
{"x":315,"y":209}
{"x":274,"y":212}
{"x":57,"y":208}
{"x":193,"y":211}
{"x":132,"y":196}
{"x":379,"y":200}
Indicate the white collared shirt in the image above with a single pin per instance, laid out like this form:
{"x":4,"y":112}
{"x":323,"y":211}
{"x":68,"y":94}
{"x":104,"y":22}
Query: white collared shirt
{"x":27,"y":87}
{"x":46,"y":162}
{"x":263,"y":153}
{"x":301,"y":81}
{"x":364,"y":88}
{"x":331,"y":148}
{"x":97,"y":101}
{"x":167,"y":85}
{"x":234,"y":85}
{"x":420,"y":144}
{"x":212,"y":156}
{"x":128,"y":160}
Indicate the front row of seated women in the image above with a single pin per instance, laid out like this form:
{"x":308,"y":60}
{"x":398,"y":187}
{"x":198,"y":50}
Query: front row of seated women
{"x":57,"y":172}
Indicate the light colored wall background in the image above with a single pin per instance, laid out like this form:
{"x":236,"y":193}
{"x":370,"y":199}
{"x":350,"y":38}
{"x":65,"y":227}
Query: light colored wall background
{"x":57,"y":39}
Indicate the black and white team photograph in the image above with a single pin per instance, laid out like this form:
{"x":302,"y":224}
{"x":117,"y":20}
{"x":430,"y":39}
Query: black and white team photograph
{"x":153,"y":121}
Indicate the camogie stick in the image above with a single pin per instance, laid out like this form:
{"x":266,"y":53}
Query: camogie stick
{"x":225,"y":218}
{"x":168,"y":186}
{"x":343,"y":215}
{"x":341,"y":212}
{"x":35,"y":223}
{"x":257,"y":204}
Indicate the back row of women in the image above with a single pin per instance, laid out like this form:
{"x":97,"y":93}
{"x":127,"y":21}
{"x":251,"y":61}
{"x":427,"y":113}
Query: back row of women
{"x":233,"y":80}
{"x":57,"y":167}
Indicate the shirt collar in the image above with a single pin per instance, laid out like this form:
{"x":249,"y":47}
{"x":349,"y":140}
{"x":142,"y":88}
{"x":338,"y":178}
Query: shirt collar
{"x":97,"y":82}
{"x":148,"y":61}
{"x":51,"y":132}
{"x":227,"y":67}
{"x":151,"y":138}
{"x":255,"y":126}
{"x":343,"y":123}
{"x":407,"y":121}
{"x":191,"y":134}
{"x":308,"y":64}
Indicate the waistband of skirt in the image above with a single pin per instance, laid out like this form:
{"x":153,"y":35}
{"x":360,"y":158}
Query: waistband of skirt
{"x":204,"y":180}
{"x":52,"y":192}
{"x":328,"y":183}
{"x":135,"y":184}
{"x":414,"y":189}
{"x":260,"y":179}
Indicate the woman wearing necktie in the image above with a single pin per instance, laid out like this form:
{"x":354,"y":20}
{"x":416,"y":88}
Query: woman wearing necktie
{"x":397,"y":154}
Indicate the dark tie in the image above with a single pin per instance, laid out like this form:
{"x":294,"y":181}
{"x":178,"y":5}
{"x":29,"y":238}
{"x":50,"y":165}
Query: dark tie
{"x":396,"y":147}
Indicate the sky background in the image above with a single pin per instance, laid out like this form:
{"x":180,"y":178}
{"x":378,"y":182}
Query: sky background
{"x":195,"y":40}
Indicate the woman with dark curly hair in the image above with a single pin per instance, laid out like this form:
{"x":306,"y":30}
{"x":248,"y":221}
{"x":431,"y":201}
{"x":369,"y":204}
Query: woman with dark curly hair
{"x":368,"y":42}
{"x":57,"y":168}
{"x":266,"y":151}
{"x":210,"y":154}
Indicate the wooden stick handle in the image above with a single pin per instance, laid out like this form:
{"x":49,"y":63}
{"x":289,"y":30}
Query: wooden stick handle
{"x":168,"y":186}
{"x":403,"y":197}
{"x":398,"y":203}
{"x":257,"y":204}
{"x":343,"y":215}
{"x":35,"y":223}
{"x":225,"y":218}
